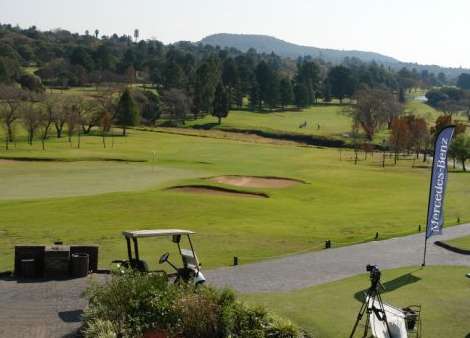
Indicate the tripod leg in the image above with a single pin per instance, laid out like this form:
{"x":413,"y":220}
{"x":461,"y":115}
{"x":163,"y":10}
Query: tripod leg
{"x":381,"y":304}
{"x":366,"y":327}
{"x":362,"y":310}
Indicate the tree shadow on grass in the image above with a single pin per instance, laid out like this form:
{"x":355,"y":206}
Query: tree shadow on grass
{"x":391,"y":285}
{"x":205,"y":126}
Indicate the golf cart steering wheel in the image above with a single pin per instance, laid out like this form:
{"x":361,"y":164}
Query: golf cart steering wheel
{"x":164,"y":258}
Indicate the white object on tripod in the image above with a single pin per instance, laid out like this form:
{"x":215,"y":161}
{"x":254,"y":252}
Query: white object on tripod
{"x":395,"y":318}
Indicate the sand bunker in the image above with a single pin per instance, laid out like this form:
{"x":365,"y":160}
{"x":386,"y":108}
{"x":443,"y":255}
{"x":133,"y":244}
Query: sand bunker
{"x":256,"y":181}
{"x":206,"y":189}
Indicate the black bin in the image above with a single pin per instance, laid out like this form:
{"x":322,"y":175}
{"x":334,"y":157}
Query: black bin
{"x":28,"y":268}
{"x":80,"y":264}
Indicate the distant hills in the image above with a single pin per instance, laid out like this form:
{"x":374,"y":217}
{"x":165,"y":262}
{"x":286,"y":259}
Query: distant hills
{"x":269,"y":44}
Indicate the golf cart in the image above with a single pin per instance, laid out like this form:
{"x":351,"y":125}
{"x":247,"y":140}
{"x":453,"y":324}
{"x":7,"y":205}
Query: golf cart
{"x":190,"y":272}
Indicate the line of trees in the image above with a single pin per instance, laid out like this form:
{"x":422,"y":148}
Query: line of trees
{"x":40,"y":114}
{"x":63,"y":59}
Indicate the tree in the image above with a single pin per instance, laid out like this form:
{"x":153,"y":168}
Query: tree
{"x":58,"y":107}
{"x":72,"y":118}
{"x":308,"y":78}
{"x":460,"y":149}
{"x":221,"y":103}
{"x":80,"y":56}
{"x":12,"y":99}
{"x":341,"y":81}
{"x":401,"y":96}
{"x":419,"y":133}
{"x":207,"y":77}
{"x":231,"y":80}
{"x":176,"y":104}
{"x":268,"y":83}
{"x":31,"y":116}
{"x":149,"y":105}
{"x":127,"y":113}
{"x":136,"y":34}
{"x":400,"y":136}
{"x":301,"y":95}
{"x":255,"y":103}
{"x":52,"y":106}
{"x":373,"y":109}
{"x":286,"y":93}
{"x":88,"y":112}
{"x":31,"y":82}
{"x":463,"y":81}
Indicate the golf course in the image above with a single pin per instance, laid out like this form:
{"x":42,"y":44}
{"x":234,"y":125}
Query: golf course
{"x":161,"y":177}
{"x":91,"y":194}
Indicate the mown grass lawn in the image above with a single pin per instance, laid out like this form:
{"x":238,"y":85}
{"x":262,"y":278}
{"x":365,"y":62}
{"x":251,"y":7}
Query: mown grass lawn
{"x":461,"y":242}
{"x":93,"y":201}
{"x":330,"y":310}
{"x":325,"y":120}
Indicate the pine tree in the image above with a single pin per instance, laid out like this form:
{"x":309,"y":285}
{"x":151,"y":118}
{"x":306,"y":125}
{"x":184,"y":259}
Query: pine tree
{"x":286,"y":93}
{"x":207,"y":77}
{"x":221,"y":103}
{"x":127,"y":113}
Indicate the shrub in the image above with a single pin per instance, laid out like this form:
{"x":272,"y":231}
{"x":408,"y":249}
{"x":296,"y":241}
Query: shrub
{"x":134,"y":305}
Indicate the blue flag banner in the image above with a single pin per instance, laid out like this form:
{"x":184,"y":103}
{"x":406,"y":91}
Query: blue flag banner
{"x":438,"y":182}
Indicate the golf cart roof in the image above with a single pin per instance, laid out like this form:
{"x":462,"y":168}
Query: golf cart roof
{"x":156,"y":233}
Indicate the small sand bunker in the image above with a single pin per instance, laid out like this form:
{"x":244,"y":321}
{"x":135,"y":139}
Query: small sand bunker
{"x":207,"y":189}
{"x":256,"y":181}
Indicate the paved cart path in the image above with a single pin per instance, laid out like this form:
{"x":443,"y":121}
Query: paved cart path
{"x":53,"y":308}
{"x":300,"y":271}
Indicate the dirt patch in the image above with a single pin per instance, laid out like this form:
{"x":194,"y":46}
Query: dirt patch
{"x":207,"y":189}
{"x":256,"y":181}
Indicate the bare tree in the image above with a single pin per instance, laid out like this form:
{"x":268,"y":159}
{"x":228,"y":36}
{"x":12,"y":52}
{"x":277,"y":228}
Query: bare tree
{"x":72,"y":119}
{"x":106,"y":120}
{"x":11,"y":99}
{"x":88,"y":112}
{"x":54,"y":107}
{"x":373,"y":109}
{"x":31,"y":116}
{"x":176,"y":105}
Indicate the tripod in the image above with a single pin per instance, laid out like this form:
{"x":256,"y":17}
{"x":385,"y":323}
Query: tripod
{"x":368,"y":307}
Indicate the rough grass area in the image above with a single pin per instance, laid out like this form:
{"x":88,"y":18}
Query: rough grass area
{"x":330,"y":310}
{"x":343,"y":202}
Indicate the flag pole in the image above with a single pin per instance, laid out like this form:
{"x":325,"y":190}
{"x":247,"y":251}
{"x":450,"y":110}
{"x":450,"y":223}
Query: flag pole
{"x":431,"y":181}
{"x":429,"y":206}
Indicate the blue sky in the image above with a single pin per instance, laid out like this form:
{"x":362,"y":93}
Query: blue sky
{"x":424,"y":31}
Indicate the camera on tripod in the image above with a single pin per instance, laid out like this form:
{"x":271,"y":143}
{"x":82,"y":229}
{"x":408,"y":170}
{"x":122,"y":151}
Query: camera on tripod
{"x":385,"y":320}
{"x":374,"y":272}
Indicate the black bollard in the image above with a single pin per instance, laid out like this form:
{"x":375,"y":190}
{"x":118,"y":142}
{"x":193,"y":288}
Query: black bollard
{"x":376,"y":236}
{"x":328,"y":244}
{"x":235,"y":261}
{"x":419,"y":228}
{"x":458,"y":220}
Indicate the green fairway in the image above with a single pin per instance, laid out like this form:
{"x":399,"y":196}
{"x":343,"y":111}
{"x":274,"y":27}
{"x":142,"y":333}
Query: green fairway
{"x":93,"y":201}
{"x":325,"y":120}
{"x":461,"y":243}
{"x":328,"y":120}
{"x":330,"y":310}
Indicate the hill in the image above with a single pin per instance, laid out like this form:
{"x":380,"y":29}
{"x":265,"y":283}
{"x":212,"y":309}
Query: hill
{"x":268,"y":44}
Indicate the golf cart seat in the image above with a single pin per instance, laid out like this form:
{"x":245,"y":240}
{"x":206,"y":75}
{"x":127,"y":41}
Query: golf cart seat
{"x":189,"y":260}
